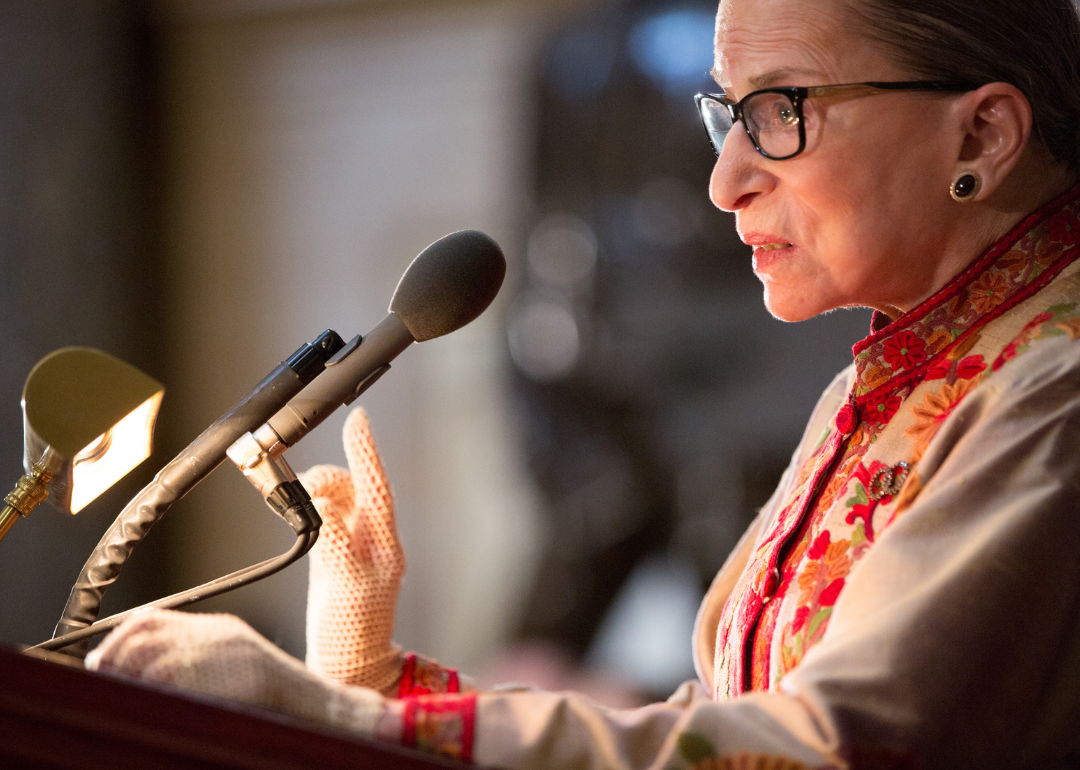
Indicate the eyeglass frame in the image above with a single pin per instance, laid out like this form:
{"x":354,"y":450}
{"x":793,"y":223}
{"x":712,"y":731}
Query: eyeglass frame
{"x":798,"y":94}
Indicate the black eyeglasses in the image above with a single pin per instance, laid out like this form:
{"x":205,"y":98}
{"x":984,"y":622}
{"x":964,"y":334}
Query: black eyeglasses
{"x":773,"y":117}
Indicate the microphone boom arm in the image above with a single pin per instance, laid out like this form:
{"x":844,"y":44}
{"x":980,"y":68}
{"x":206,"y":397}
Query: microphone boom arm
{"x":213,"y":588}
{"x":177,"y":478}
{"x":446,"y":286}
{"x":283,"y":492}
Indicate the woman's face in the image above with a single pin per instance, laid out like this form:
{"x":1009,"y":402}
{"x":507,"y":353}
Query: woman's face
{"x":862,"y":215}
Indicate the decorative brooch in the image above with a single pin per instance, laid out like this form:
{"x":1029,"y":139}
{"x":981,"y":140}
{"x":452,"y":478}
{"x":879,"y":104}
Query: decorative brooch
{"x":888,"y":481}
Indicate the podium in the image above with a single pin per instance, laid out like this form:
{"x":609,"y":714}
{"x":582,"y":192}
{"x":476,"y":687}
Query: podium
{"x":56,"y":715}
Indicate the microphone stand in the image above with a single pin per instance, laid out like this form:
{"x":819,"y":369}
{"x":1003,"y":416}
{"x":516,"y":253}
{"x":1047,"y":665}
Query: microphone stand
{"x":222,"y":585}
{"x":178,"y":478}
{"x":445,"y":287}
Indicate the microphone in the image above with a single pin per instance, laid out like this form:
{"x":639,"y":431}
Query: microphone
{"x":449,"y":284}
{"x":446,"y":286}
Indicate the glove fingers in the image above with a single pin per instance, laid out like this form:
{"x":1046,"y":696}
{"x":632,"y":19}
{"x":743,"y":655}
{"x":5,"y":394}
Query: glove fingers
{"x":159,"y":645}
{"x":329,"y":483}
{"x":355,"y":575}
{"x":375,"y":530}
{"x":126,"y":650}
{"x":223,"y":656}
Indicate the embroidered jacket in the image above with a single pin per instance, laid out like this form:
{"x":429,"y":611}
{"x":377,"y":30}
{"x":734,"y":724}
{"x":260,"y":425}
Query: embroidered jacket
{"x":909,"y":596}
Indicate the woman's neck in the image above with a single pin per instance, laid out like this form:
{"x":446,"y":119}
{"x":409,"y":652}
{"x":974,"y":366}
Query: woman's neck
{"x":1034,"y":182}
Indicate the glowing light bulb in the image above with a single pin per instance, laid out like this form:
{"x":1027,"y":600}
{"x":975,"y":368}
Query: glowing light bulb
{"x":110,"y":456}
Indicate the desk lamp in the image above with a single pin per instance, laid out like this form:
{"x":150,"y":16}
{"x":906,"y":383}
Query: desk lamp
{"x":88,"y":419}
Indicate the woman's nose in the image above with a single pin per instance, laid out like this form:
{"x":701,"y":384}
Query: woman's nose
{"x":737,"y":177}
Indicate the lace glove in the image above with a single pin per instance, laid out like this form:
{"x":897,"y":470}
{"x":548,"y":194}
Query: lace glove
{"x":221,"y":655}
{"x":356,"y":568}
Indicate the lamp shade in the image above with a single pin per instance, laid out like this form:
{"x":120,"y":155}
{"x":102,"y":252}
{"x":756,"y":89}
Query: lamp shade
{"x":88,"y":419}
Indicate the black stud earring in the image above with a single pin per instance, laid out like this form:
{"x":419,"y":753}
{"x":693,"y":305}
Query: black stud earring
{"x":966,"y":187}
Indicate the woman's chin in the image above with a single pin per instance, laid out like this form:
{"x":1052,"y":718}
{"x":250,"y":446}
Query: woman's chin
{"x":791,"y":305}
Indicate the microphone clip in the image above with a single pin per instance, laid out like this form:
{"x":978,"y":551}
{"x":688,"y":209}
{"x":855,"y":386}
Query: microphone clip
{"x":259,"y":457}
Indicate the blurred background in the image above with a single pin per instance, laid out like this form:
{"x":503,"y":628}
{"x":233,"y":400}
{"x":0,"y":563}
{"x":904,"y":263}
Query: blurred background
{"x":200,"y":186}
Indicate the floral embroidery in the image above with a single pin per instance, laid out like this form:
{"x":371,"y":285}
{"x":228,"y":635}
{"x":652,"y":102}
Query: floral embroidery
{"x":858,"y":437}
{"x":1071,"y":327}
{"x":1064,"y":228}
{"x":970,"y":367}
{"x":938,"y":341}
{"x":932,"y":412}
{"x":1015,"y":262}
{"x":881,"y":408}
{"x":1064,"y":320}
{"x":758,"y":580}
{"x":876,"y":376}
{"x":964,"y":369}
{"x":940,"y":369}
{"x":700,"y":754}
{"x":759,"y":660}
{"x":957,"y":307}
{"x":820,"y":584}
{"x":904,"y":351}
{"x":1048,"y":253}
{"x":838,"y":480}
{"x":989,"y":291}
{"x":963,"y":346}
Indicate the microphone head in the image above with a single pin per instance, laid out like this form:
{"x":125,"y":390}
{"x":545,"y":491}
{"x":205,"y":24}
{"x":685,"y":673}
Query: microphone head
{"x":449,"y":284}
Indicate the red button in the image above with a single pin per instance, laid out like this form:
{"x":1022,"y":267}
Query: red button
{"x":846,"y":420}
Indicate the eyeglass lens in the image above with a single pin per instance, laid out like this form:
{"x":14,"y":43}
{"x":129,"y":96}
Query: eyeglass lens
{"x":770,"y":118}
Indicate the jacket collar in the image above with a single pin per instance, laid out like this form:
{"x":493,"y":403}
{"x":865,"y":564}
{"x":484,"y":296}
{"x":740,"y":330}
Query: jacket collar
{"x":898,"y":354}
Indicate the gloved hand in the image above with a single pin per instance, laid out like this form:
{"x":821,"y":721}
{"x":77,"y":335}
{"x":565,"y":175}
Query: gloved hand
{"x":356,"y":567}
{"x":221,"y":655}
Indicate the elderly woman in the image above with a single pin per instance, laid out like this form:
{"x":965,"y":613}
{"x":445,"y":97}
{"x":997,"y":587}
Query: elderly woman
{"x":909,"y":596}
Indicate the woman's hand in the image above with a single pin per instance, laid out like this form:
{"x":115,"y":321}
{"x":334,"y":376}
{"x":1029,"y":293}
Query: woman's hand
{"x":356,"y":567}
{"x":223,"y":656}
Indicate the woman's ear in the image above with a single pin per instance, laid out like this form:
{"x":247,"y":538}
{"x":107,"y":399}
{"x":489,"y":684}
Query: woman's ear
{"x":996,"y":124}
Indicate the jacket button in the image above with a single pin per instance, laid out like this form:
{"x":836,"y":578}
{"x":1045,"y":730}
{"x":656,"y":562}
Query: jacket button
{"x":847,"y":419}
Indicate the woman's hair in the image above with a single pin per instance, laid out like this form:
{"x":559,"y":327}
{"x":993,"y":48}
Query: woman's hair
{"x":1032,"y":44}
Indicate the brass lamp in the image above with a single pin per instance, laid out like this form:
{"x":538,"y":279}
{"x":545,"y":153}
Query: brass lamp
{"x":88,"y":419}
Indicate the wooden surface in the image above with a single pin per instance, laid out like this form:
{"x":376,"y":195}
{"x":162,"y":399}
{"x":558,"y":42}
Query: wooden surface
{"x":60,"y":716}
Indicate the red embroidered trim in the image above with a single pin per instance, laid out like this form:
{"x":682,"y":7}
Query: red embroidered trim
{"x":405,"y":684}
{"x":749,"y":611}
{"x":420,"y":676}
{"x":444,"y":724}
{"x":915,"y":376}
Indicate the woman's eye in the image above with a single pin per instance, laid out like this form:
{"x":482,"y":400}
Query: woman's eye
{"x":774,"y":114}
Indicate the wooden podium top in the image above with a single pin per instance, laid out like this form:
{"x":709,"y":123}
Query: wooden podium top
{"x":61,"y":716}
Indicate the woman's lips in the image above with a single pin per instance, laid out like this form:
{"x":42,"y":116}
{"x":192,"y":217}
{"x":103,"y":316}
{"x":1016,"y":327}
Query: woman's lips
{"x":768,"y":251}
{"x":765,"y":258}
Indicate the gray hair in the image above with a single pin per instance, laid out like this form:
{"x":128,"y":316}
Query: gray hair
{"x":1031,"y":44}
